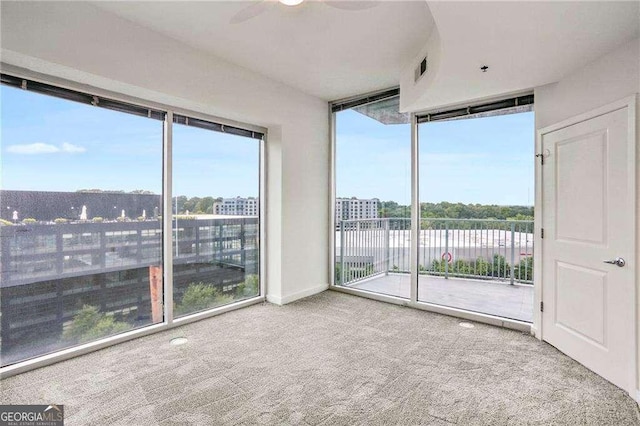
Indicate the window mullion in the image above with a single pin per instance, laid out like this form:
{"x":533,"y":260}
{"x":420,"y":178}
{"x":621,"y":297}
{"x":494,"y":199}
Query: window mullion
{"x":167,"y":217}
{"x":415,"y":209}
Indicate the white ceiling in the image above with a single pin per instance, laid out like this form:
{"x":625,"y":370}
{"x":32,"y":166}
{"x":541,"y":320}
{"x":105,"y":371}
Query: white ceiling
{"x":332,"y":53}
{"x":322,"y":50}
{"x":525,"y":45}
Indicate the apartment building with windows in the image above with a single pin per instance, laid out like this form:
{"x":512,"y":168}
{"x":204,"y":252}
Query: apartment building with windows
{"x":356,"y":208}
{"x":238,"y":206}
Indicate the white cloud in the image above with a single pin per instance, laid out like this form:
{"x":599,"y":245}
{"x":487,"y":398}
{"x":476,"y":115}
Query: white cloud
{"x":71,"y":148}
{"x":44,"y":148}
{"x":33,"y":148}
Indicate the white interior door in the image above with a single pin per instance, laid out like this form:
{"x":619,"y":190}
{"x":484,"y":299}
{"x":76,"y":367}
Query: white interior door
{"x":588,"y":205}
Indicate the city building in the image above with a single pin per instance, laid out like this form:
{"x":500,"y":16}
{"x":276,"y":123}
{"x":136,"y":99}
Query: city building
{"x":45,"y":206}
{"x":356,"y":208}
{"x":238,"y":206}
{"x":51,"y":270}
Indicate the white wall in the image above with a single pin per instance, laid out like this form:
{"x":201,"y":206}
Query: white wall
{"x":413,"y":91}
{"x":524,"y":44}
{"x":598,"y":83}
{"x":79,"y":42}
{"x":608,"y":79}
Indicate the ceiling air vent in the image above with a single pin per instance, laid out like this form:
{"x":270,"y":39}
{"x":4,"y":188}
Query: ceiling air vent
{"x":421,"y":69}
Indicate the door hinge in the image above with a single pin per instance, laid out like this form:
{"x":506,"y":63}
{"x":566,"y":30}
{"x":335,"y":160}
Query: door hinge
{"x":541,"y":232}
{"x":541,"y":156}
{"x":541,"y":306}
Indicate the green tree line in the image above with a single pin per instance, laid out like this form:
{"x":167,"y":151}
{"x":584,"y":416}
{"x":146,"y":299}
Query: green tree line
{"x":195,"y":205}
{"x":457,"y":211}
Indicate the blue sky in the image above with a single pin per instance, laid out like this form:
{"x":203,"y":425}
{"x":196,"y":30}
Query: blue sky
{"x":50,"y":144}
{"x":484,"y":160}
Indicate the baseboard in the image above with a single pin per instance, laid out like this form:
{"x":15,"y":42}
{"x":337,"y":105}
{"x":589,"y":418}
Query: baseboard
{"x":274,"y":299}
{"x":296,"y":296}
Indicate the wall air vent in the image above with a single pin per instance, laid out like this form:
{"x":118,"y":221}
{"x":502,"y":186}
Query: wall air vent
{"x":421,"y":69}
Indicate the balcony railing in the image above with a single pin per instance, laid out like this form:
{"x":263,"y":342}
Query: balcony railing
{"x":40,"y":252}
{"x":468,"y":248}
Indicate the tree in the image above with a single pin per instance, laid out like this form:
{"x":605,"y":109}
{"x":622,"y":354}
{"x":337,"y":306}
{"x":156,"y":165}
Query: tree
{"x":352,"y":272}
{"x":204,"y":205}
{"x":250,"y":287}
{"x":200,"y":296}
{"x":478,"y":267}
{"x":393,"y":209}
{"x":524,"y":269}
{"x":500,"y":267}
{"x":474,"y":211}
{"x":520,"y":216}
{"x":90,"y":324}
{"x":180,"y":202}
{"x":189,"y":204}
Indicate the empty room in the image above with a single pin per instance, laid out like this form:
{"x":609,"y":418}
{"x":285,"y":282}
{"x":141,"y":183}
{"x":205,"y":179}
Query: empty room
{"x":318,"y":212}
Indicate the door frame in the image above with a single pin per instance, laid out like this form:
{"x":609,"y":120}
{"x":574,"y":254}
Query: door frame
{"x":630,"y":103}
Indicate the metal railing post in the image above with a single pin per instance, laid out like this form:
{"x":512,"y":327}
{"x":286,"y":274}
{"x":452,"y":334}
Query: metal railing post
{"x":387,"y":244}
{"x":446,"y":251}
{"x":480,"y":246}
{"x":513,"y":251}
{"x":342,"y":242}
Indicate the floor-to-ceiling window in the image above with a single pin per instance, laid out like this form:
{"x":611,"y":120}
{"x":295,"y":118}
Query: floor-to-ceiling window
{"x":216,"y":204}
{"x":373,"y":196}
{"x":80,"y":201}
{"x":468,"y":172}
{"x":93,"y":248}
{"x":476,"y":214}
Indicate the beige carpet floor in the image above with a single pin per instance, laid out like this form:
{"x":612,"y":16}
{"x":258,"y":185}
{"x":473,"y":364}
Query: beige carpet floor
{"x":331,"y":359}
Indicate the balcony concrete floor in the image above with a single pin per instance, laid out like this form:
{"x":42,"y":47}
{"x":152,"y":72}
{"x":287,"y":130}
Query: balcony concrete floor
{"x":487,"y":297}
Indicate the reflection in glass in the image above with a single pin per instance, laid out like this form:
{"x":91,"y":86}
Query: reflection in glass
{"x":216,"y":219}
{"x":80,"y":239}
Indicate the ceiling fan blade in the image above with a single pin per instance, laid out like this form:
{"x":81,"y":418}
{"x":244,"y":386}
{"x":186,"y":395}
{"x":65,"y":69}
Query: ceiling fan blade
{"x":250,"y":11}
{"x":352,"y":4}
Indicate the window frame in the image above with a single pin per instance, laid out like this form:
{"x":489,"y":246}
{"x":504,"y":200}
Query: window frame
{"x":167,"y":186}
{"x":490,"y":105}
